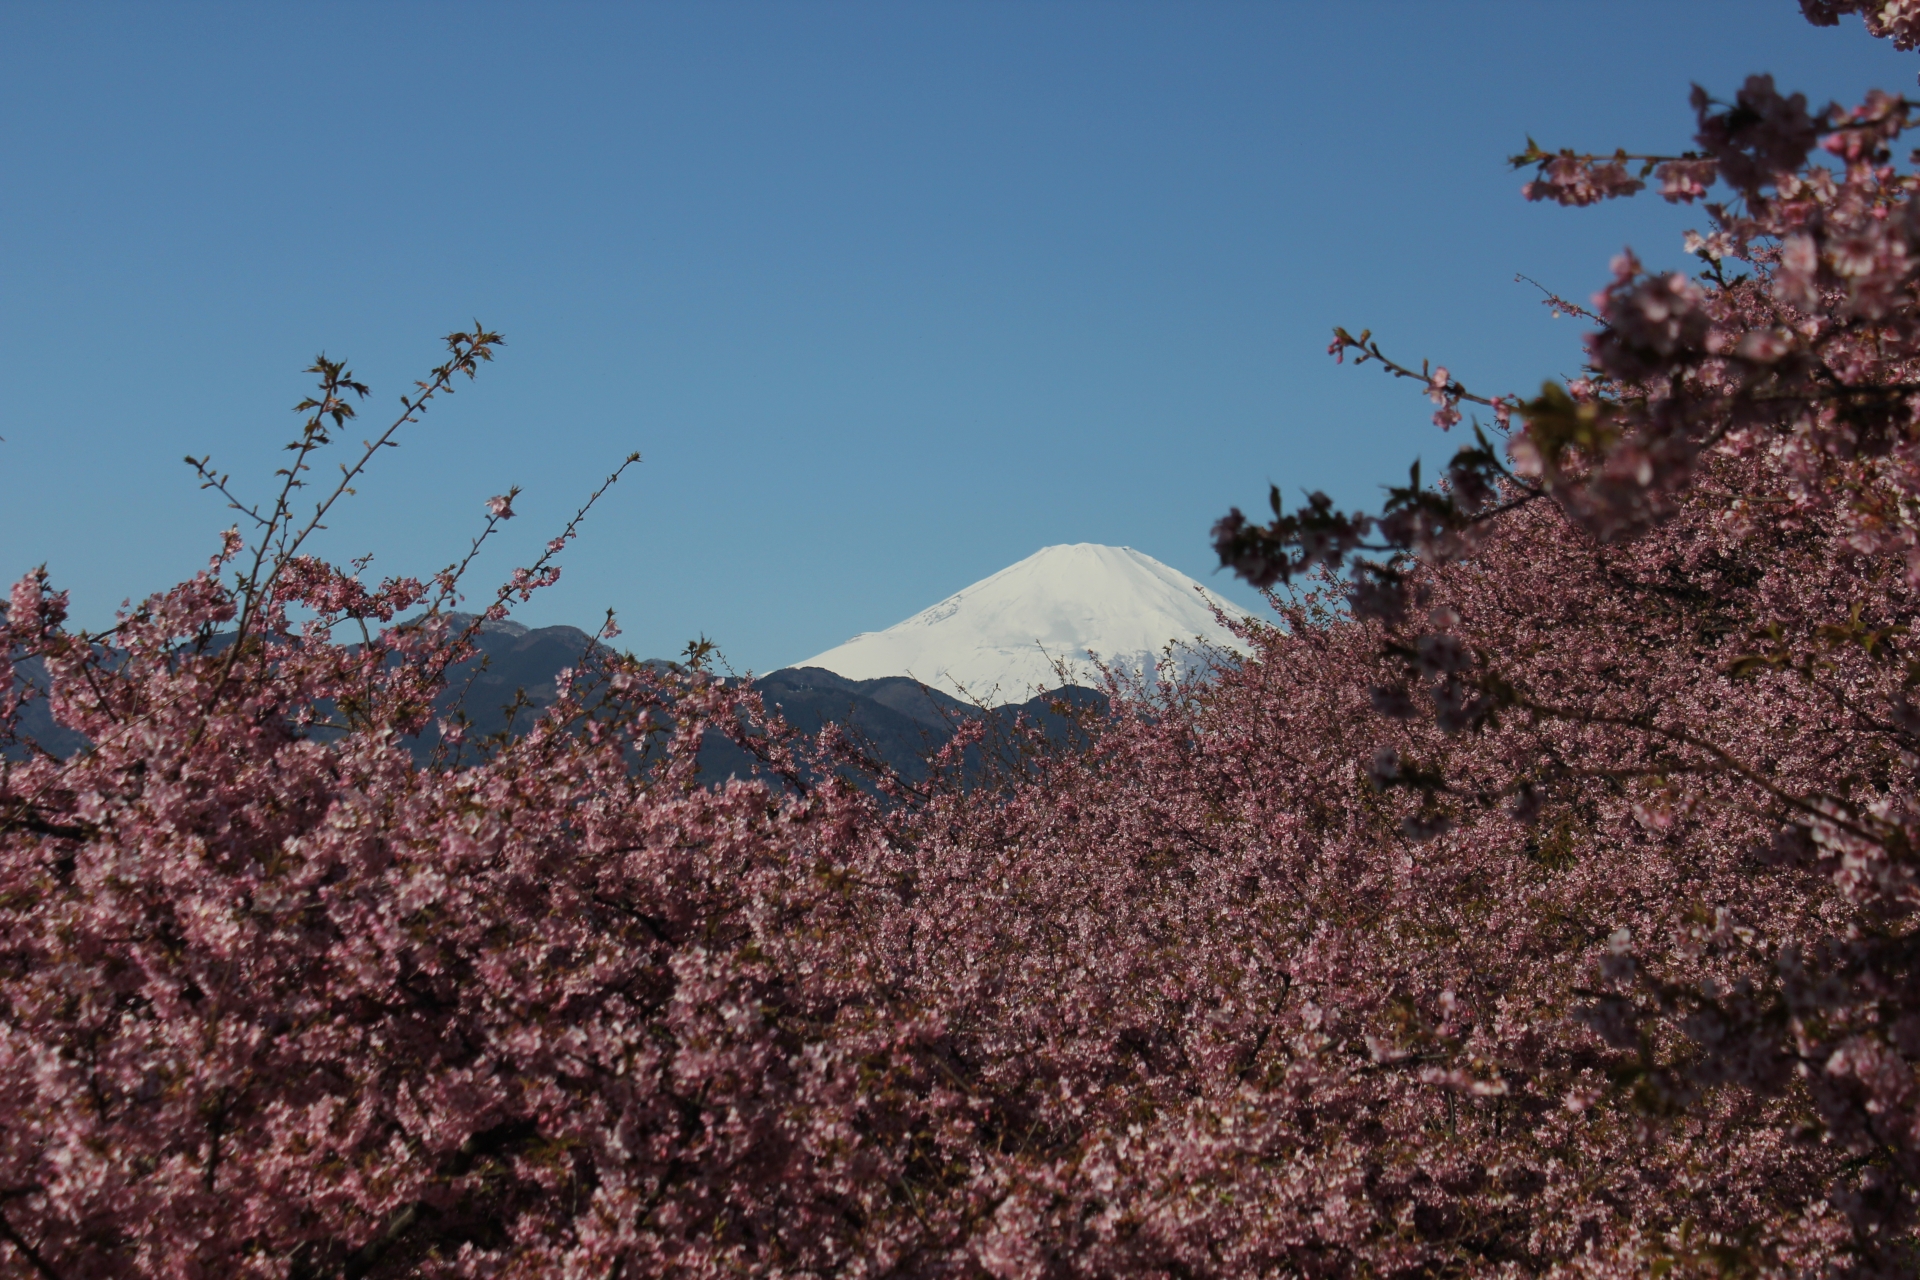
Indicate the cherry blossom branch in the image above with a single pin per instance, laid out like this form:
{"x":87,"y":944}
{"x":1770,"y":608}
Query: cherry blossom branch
{"x":26,"y":818}
{"x":209,"y":479}
{"x":467,"y":351}
{"x":25,"y":1250}
{"x":1747,"y":774}
{"x":1439,"y":382}
{"x":1559,"y":305}
{"x":525,"y":581}
{"x":499,"y":510}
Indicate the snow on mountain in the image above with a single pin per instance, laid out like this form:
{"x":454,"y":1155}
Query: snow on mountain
{"x":998,"y":639}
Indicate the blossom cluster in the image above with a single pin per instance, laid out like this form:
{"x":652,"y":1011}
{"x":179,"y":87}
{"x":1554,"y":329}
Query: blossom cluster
{"x":1664,"y":616}
{"x":1249,"y":981}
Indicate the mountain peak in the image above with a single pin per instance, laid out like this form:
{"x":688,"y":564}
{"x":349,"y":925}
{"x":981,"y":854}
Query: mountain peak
{"x":999,"y":639}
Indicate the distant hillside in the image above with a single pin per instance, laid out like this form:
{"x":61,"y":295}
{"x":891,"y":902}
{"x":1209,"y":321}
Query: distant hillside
{"x":36,"y":723}
{"x":512,"y":680}
{"x":899,"y":721}
{"x":896,"y":719}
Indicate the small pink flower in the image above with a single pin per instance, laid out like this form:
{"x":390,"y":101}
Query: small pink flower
{"x":1764,"y":346}
{"x":501,"y":505}
{"x":1855,"y":255}
{"x":1799,"y":254}
{"x":1684,"y":181}
{"x":1527,"y":458}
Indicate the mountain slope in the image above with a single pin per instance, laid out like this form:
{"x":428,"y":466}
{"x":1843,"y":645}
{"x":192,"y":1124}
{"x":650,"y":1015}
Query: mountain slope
{"x":506,"y":687}
{"x":893,"y":719}
{"x":999,"y":639}
{"x":896,"y":720}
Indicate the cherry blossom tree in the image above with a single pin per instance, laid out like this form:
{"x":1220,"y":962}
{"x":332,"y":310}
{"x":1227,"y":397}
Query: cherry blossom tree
{"x":1534,"y":898}
{"x":1679,"y":596}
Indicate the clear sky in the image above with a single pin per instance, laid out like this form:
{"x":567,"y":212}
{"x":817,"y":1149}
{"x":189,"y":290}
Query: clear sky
{"x":888,"y":295}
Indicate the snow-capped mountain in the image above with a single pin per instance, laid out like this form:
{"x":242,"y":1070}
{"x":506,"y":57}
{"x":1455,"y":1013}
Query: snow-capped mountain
{"x":998,"y":640}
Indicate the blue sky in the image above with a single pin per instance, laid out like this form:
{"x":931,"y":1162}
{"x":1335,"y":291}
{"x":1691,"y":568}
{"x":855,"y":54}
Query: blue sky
{"x":888,"y":295}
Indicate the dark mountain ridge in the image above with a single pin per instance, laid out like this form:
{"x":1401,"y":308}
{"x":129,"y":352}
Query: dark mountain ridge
{"x":896,"y":720}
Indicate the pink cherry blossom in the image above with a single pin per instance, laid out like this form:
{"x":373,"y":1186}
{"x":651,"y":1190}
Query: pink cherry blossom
{"x":1532,"y":896}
